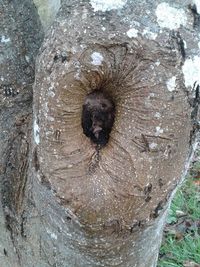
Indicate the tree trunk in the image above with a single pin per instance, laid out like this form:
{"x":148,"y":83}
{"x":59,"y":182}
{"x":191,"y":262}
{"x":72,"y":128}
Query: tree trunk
{"x":20,"y":40}
{"x":65,"y":200}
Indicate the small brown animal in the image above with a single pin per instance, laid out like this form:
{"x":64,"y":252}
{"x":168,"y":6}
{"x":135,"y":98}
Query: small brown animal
{"x":98,"y":117}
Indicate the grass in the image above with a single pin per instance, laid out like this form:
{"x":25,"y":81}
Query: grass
{"x":181,"y":241}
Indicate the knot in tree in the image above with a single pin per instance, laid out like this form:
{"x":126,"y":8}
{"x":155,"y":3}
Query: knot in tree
{"x":110,"y":128}
{"x":111,"y":97}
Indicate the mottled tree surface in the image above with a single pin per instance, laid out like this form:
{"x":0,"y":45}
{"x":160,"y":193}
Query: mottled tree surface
{"x":20,"y":39}
{"x":105,"y":206}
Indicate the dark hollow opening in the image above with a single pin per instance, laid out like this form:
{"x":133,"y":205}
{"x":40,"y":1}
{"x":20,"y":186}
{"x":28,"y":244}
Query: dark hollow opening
{"x":98,"y":116}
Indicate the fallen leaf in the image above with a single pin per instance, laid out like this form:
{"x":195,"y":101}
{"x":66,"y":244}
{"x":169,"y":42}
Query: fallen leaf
{"x":180,"y":213}
{"x":190,"y":264}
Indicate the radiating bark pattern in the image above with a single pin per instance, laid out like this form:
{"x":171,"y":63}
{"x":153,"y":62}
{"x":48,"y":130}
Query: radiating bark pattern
{"x":134,"y":174}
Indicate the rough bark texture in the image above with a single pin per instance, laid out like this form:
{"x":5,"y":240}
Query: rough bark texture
{"x":87,"y":207}
{"x":20,"y":39}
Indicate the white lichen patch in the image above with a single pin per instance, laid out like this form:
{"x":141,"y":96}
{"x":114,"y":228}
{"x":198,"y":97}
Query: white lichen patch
{"x":53,"y":235}
{"x":106,"y":5}
{"x":85,"y":13}
{"x":51,"y":94}
{"x":77,"y":75}
{"x":49,"y":118}
{"x":159,"y":130}
{"x":149,"y":34}
{"x":170,"y":17}
{"x":45,"y":108}
{"x":27,"y":58}
{"x":157,"y":115}
{"x":153,"y":145}
{"x":69,"y":166}
{"x":36,"y":132}
{"x":111,"y":35}
{"x":4,"y":39}
{"x":171,"y":84}
{"x":191,"y":71}
{"x":97,"y":58}
{"x":132,"y":33}
{"x":185,"y":44}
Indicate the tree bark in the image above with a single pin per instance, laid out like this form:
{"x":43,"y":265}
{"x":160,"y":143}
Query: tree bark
{"x":20,"y":40}
{"x":66,"y":202}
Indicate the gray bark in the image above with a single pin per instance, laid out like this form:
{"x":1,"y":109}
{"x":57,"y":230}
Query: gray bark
{"x":63,"y":202}
{"x":20,"y":38}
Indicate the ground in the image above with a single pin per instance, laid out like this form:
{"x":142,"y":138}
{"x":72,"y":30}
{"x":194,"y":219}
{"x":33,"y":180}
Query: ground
{"x":181,"y":241}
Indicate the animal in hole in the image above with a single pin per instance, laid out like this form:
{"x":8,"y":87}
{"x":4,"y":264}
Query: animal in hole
{"x":98,"y":116}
